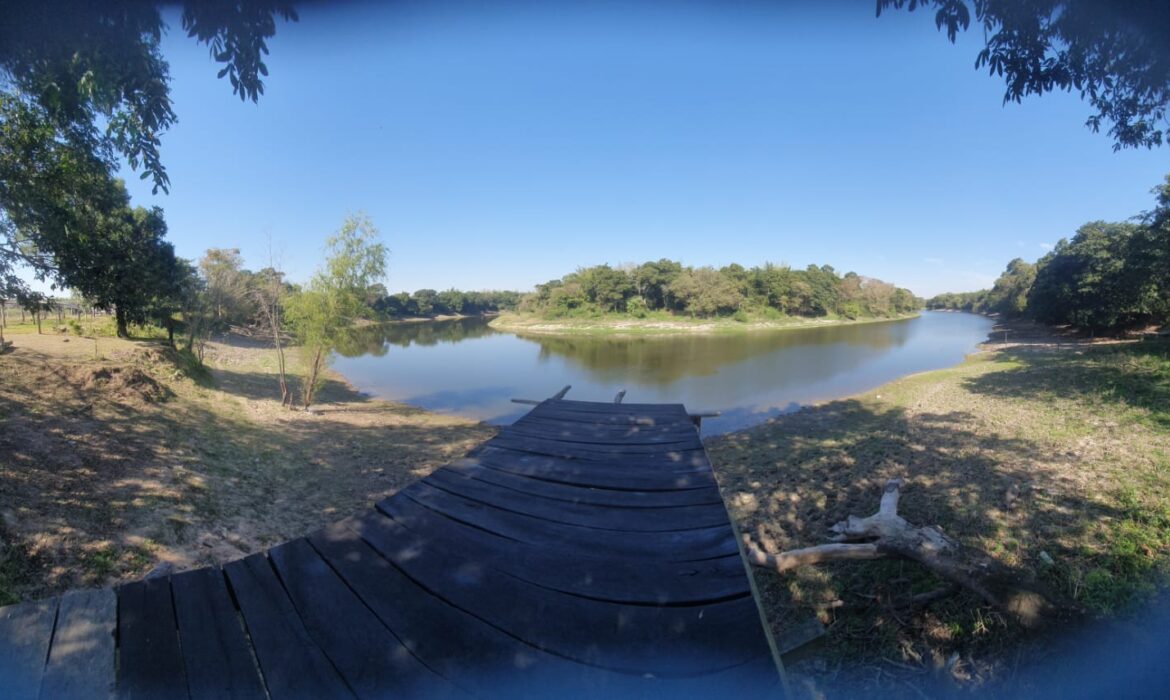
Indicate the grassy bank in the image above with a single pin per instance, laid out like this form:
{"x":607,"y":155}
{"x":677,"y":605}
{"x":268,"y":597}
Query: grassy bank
{"x":1055,"y":460}
{"x":662,"y":323}
{"x":116,"y":456}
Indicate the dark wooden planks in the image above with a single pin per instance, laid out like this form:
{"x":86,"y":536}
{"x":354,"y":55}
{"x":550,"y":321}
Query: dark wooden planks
{"x":150,"y":662}
{"x":647,"y":428}
{"x":574,"y":493}
{"x":371,"y":659}
{"x":594,"y":441}
{"x":615,"y":476}
{"x":646,"y":519}
{"x":479,"y":656}
{"x":615,"y":435}
{"x":664,"y":641}
{"x":456,"y":644}
{"x":636,"y":455}
{"x":25,"y":632}
{"x":81,"y":660}
{"x":633,"y":581}
{"x":292,"y":663}
{"x":679,"y":545}
{"x":217,"y":654}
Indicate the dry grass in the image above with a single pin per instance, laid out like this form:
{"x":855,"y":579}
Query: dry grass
{"x":114,"y":458}
{"x":1032,"y":455}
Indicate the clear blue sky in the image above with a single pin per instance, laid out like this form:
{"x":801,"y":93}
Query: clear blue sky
{"x":499,"y":145}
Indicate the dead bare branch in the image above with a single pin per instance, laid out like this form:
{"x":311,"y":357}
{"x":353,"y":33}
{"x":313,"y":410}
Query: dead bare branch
{"x":887,"y":534}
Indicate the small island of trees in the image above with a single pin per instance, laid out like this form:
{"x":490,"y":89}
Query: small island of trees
{"x":667,"y":287}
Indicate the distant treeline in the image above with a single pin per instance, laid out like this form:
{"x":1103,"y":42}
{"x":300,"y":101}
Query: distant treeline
{"x":452,"y":302}
{"x":1109,"y":276}
{"x":669,"y":286}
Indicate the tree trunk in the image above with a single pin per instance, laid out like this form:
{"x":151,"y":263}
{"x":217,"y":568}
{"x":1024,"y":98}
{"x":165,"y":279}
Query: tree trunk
{"x":310,"y":388}
{"x":120,"y":320}
{"x":285,"y":396}
{"x":37,"y":318}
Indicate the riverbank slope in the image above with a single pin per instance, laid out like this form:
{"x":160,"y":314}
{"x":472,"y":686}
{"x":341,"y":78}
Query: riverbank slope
{"x":663,"y":324}
{"x":1055,"y":459}
{"x":116,"y":457}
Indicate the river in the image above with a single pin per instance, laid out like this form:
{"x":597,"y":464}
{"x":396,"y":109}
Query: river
{"x":467,"y":368}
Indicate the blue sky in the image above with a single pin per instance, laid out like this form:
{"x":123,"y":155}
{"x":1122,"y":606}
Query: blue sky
{"x":498,"y":145}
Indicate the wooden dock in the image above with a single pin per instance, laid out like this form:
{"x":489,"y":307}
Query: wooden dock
{"x":584,"y":552}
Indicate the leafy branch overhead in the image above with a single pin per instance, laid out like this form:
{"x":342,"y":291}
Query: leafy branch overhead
{"x":83,"y":83}
{"x":1116,"y":55}
{"x":82,"y":64}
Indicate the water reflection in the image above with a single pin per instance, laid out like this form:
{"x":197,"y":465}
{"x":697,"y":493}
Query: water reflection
{"x":376,"y":339}
{"x":463,"y":366}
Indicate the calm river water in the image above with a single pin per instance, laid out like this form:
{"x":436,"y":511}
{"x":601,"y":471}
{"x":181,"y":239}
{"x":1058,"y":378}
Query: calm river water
{"x":467,"y":368}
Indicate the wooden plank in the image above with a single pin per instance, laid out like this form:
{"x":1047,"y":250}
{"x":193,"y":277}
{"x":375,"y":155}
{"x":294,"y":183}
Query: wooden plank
{"x":291,"y":662}
{"x":685,"y":640}
{"x":25,"y":632}
{"x":583,"y":494}
{"x":81,"y":660}
{"x":603,"y":439}
{"x":684,"y":545}
{"x":217,"y":654}
{"x":660,"y":470}
{"x":482,"y":658}
{"x":626,"y":429}
{"x":630,"y":581}
{"x":612,"y":420}
{"x":456,"y":644}
{"x":150,"y":664}
{"x":649,"y":459}
{"x":564,"y":471}
{"x":587,"y":515}
{"x":372,"y":660}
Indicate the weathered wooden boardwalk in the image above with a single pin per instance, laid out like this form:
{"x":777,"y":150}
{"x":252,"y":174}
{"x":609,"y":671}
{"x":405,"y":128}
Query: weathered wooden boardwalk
{"x":583,"y":552}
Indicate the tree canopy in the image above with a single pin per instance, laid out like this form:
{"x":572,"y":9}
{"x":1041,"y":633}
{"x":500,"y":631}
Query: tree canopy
{"x":83,"y":84}
{"x":670,"y":287}
{"x":1116,"y":55}
{"x":1108,"y":276}
{"x":86,"y":65}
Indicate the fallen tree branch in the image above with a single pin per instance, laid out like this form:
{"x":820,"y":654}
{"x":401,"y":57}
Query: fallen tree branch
{"x":887,"y":534}
{"x":797,"y":558}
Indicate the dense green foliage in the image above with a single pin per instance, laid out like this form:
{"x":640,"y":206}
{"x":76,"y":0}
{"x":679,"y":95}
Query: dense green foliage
{"x":451,"y":302}
{"x":1108,"y":276}
{"x":82,"y":85}
{"x":704,"y":292}
{"x":1114,"y":54}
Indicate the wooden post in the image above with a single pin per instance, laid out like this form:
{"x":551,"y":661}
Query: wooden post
{"x":555,"y":397}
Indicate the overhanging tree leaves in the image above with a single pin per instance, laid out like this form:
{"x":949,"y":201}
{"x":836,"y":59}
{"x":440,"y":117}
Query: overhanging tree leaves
{"x":1116,"y":55}
{"x":87,"y":63}
{"x":82,"y":83}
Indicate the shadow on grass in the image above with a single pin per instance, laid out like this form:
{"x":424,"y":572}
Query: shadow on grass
{"x":95,"y":487}
{"x":788,"y":481}
{"x":1132,"y":375}
{"x":263,"y":386}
